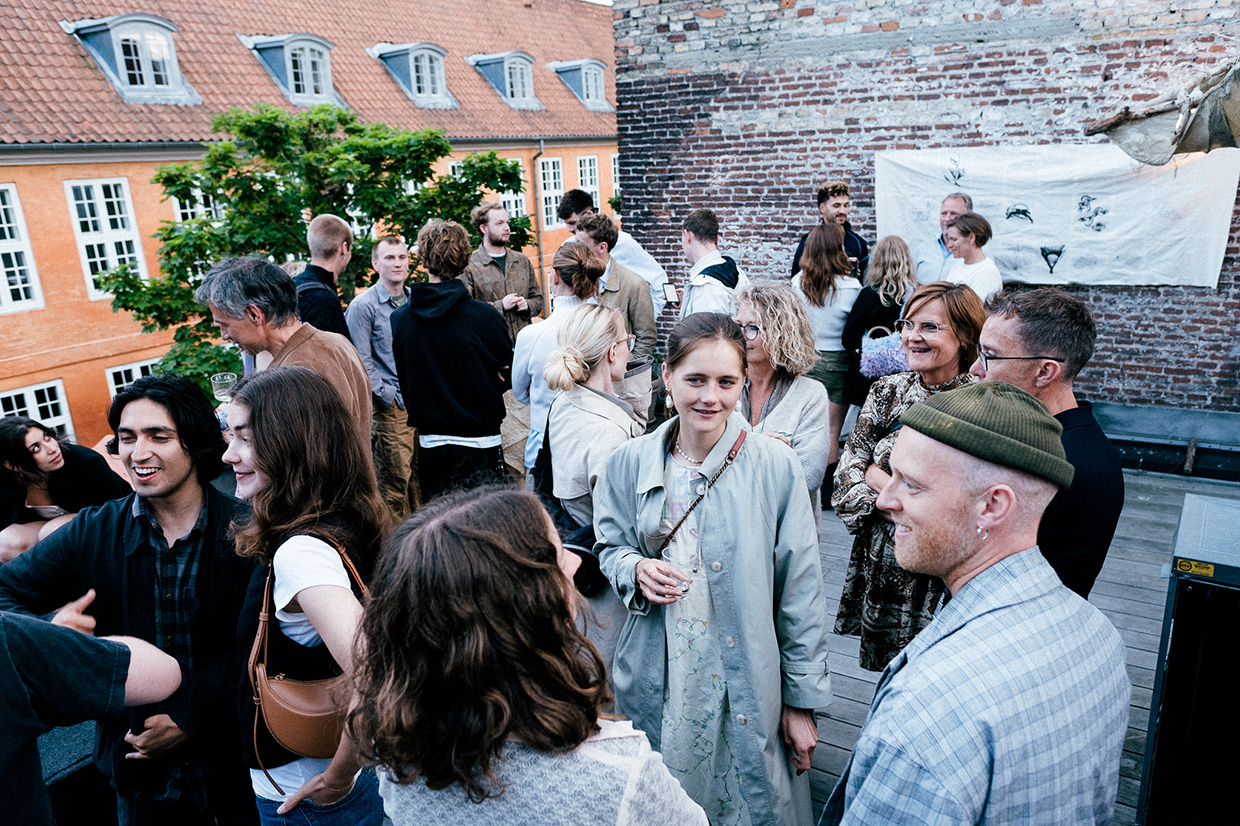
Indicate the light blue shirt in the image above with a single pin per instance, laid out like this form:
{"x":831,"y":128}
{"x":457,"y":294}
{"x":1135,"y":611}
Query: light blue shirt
{"x":934,"y":260}
{"x":529,"y":356}
{"x":369,"y":317}
{"x":1010,"y":707}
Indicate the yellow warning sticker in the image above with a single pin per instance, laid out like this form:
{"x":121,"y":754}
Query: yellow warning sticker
{"x":1189,"y":566}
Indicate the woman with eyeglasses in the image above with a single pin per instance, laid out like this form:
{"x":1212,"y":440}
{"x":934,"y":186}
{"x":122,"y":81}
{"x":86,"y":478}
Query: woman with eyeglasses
{"x":575,"y":272}
{"x":966,"y":235}
{"x":882,"y":603}
{"x":706,"y":534}
{"x":778,"y":399}
{"x":828,"y":291}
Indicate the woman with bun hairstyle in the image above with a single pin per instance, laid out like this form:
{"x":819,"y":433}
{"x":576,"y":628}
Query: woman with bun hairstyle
{"x":47,"y":482}
{"x":575,"y":272}
{"x":706,"y":534}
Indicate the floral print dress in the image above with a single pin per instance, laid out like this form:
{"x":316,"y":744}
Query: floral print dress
{"x":882,"y":603}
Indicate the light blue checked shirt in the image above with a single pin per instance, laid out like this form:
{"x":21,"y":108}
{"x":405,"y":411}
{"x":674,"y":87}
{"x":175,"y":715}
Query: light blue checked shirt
{"x":1010,"y":707}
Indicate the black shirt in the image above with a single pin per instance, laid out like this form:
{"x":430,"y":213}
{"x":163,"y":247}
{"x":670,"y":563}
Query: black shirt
{"x":49,"y":676}
{"x":318,"y":303}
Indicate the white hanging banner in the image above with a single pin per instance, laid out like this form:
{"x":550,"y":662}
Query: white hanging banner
{"x":1072,"y":214}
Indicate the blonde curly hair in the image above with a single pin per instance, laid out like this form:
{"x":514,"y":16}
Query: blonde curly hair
{"x":789,"y":338}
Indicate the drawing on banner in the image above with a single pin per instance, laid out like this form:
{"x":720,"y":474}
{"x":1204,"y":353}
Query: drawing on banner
{"x":1019,"y":211}
{"x":1090,"y":215}
{"x":953,"y":175}
{"x":1052,"y":255}
{"x":1069,"y":213}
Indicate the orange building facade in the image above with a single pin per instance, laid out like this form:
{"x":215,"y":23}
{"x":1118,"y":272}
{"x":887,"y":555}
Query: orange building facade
{"x":80,"y":145}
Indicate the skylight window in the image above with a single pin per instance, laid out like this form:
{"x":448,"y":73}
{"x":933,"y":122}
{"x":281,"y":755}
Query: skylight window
{"x":419,"y":69}
{"x":511,"y":75}
{"x":137,"y":54}
{"x":586,"y":78}
{"x":300,"y":64}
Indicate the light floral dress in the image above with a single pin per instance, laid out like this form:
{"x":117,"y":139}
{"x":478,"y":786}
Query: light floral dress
{"x":882,"y":603}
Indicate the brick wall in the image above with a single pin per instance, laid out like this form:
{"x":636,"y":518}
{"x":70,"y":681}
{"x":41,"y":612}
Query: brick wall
{"x":745,"y":106}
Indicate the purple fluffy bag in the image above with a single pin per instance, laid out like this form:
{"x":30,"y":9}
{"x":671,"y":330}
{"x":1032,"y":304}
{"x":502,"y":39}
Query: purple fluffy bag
{"x":882,"y":353}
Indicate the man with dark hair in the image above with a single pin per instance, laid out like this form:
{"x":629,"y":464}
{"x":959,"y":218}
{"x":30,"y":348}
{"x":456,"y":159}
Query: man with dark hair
{"x":833,"y":204}
{"x":714,"y":280}
{"x":932,"y":257}
{"x":502,"y":277}
{"x":453,"y":356}
{"x":393,"y":442}
{"x":1012,"y":705}
{"x":158,"y":565}
{"x":330,"y":240}
{"x":1039,"y":341}
{"x":577,"y":204}
{"x":620,"y":288}
{"x":254,"y":304}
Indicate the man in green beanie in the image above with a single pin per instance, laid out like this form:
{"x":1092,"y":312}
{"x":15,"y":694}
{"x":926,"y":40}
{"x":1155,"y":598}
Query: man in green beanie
{"x":1012,"y":705}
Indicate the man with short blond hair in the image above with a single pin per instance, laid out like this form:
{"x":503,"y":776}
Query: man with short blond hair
{"x":500,"y":276}
{"x":393,"y":442}
{"x":1011,"y":706}
{"x":330,"y":240}
{"x":834,"y":202}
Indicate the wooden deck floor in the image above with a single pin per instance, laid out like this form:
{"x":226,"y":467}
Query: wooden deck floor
{"x":1131,"y":592}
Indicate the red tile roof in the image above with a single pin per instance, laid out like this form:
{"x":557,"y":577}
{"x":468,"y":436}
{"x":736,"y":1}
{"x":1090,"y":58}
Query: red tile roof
{"x":51,"y":90}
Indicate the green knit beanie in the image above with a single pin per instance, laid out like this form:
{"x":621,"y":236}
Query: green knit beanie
{"x":996,"y":422}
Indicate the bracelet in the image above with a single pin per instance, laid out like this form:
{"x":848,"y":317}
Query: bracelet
{"x":335,"y":788}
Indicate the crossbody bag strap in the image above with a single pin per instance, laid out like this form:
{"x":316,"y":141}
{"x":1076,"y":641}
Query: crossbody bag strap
{"x":736,"y":448}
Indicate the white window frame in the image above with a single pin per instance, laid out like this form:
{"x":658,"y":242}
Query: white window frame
{"x":514,"y":202}
{"x":136,"y":370}
{"x":145,"y":36}
{"x":38,"y":401}
{"x":519,"y":80}
{"x":102,"y":233}
{"x":551,"y":181}
{"x":593,"y":87}
{"x":615,"y":174}
{"x":306,"y":52}
{"x":17,"y":269}
{"x":427,"y":64}
{"x":455,"y":168}
{"x":197,"y":208}
{"x":587,"y":177}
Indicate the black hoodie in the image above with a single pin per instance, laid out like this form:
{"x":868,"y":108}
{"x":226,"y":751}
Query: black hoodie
{"x":454,"y":361}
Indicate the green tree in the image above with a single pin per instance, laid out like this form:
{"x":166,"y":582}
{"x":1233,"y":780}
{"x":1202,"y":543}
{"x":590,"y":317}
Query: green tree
{"x":270,"y":170}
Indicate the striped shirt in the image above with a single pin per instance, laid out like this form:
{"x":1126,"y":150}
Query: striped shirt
{"x":1010,"y":707}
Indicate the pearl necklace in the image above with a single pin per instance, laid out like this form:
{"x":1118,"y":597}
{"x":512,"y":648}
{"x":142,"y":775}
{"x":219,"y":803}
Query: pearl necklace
{"x":686,"y":456}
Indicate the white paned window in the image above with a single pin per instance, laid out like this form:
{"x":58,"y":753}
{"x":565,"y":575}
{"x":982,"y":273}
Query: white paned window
{"x":514,"y":202}
{"x":455,"y":168}
{"x":520,"y":77}
{"x":106,"y":233}
{"x":307,"y":71}
{"x":587,"y":176}
{"x":203,"y":204}
{"x":427,"y":74}
{"x":19,"y":284}
{"x":146,"y":57}
{"x":592,"y":84}
{"x":123,"y":375}
{"x":551,"y":176}
{"x":615,"y":175}
{"x":45,"y":403}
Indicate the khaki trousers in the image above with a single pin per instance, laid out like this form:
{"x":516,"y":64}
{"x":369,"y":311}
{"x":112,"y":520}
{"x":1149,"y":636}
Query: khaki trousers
{"x":394,"y":445}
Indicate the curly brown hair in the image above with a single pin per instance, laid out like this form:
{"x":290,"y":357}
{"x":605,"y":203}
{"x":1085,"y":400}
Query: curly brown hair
{"x":443,"y":248}
{"x":323,"y":483}
{"x":469,"y":642}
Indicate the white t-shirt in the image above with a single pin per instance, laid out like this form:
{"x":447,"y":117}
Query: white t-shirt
{"x":828,"y":320}
{"x":983,"y":277}
{"x":300,"y":562}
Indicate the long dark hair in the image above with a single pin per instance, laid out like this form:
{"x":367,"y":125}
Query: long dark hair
{"x":822,"y":261}
{"x":13,"y":450}
{"x":469,"y":641}
{"x":322,"y":482}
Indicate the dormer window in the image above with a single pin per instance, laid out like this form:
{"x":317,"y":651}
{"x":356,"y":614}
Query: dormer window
{"x":137,"y":54}
{"x":511,"y":74}
{"x":419,"y":69}
{"x":300,"y":64}
{"x":586,"y":79}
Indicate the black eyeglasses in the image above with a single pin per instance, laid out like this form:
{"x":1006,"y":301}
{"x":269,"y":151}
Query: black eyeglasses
{"x":752,"y":331}
{"x":985,"y":359}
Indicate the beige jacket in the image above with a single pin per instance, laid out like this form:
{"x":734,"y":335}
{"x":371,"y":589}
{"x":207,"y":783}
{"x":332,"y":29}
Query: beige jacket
{"x":630,"y":295}
{"x":486,"y":284}
{"x":586,"y":427}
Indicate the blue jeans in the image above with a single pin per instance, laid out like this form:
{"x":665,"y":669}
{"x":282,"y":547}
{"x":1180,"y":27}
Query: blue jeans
{"x":360,"y":807}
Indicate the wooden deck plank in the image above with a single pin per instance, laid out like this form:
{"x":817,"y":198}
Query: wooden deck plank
{"x":1131,"y":591}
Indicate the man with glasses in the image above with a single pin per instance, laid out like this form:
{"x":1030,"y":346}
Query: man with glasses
{"x":1038,"y":341}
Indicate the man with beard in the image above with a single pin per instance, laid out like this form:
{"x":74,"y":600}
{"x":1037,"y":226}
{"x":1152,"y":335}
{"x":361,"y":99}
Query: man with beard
{"x":1012,"y":705}
{"x":833,"y":204}
{"x":502,"y":277}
